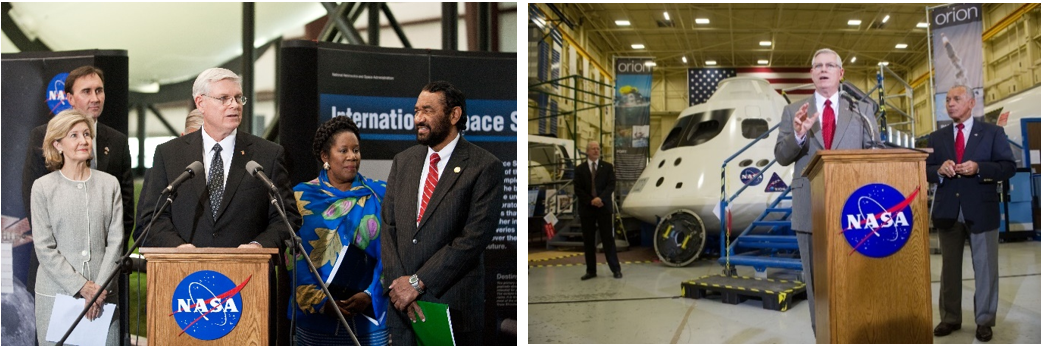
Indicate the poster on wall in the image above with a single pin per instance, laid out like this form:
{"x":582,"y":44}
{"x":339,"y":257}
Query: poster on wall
{"x":378,"y":88}
{"x":631,"y":119}
{"x":958,"y":55}
{"x":33,"y":92}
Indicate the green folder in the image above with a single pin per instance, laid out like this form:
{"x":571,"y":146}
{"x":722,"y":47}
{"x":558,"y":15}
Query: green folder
{"x":436,"y":329}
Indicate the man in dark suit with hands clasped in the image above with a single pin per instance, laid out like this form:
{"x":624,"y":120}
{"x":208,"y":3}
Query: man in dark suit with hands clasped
{"x":969,"y":158}
{"x":594,"y":186}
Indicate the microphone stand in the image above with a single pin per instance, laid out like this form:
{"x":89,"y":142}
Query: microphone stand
{"x":300,"y":250}
{"x":121,"y":263}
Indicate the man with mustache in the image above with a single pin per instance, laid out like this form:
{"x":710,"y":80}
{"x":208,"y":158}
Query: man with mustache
{"x":825,"y":121}
{"x":439,"y":215}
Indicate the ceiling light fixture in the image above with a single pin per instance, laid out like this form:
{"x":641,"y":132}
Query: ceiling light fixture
{"x":886,"y":18}
{"x":701,"y":21}
{"x":884,"y":63}
{"x":638,"y":46}
{"x":854,"y":22}
{"x":765,"y":43}
{"x":853,"y":59}
{"x":922,"y":25}
{"x":901,"y":46}
{"x":650,"y":63}
{"x":763,"y":62}
{"x":709,"y":62}
{"x":666,"y":16}
{"x":684,"y":60}
{"x":622,"y":23}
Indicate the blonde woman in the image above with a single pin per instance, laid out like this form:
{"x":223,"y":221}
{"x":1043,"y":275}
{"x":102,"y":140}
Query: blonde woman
{"x":77,"y":217}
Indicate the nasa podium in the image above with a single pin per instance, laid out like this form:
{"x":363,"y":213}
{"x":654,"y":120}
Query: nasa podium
{"x":871,"y":258}
{"x":209,"y":296}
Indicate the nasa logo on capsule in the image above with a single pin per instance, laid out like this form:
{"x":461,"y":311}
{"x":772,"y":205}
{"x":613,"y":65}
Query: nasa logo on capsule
{"x":56,"y":101}
{"x":877,"y":219}
{"x":749,"y":177}
{"x":207,"y":305}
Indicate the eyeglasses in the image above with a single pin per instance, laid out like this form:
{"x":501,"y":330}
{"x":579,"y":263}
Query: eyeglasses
{"x":228,"y":100}
{"x":829,"y":66}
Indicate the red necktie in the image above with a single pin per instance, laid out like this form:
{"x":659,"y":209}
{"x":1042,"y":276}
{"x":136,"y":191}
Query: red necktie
{"x":430,"y":184}
{"x":828,"y":123}
{"x":960,"y":143}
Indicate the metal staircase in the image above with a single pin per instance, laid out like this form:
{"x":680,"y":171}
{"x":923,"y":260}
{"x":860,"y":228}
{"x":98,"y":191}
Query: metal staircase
{"x":769,"y":241}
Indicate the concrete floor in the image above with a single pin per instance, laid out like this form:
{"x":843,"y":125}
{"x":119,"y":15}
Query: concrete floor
{"x":646,"y":307}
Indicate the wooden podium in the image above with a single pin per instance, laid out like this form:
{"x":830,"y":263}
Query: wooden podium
{"x":863,"y":299}
{"x":168,"y":267}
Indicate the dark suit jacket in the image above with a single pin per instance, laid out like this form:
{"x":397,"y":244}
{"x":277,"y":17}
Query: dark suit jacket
{"x":113,"y":157}
{"x":245,"y":214}
{"x":605,"y":184}
{"x":976,"y":194}
{"x":446,"y":249}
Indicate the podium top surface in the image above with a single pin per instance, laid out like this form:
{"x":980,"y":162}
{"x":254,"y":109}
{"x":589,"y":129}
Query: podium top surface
{"x":864,"y":156}
{"x":209,"y":251}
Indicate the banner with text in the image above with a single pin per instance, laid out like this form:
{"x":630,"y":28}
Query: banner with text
{"x":631,"y":119}
{"x":958,"y":55}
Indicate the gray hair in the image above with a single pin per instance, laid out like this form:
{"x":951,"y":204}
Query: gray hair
{"x":838,"y":61}
{"x":203,"y":82}
{"x":969,"y":91}
{"x":194,"y":121}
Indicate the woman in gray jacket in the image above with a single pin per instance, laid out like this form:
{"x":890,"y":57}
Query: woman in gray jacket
{"x":77,"y":222}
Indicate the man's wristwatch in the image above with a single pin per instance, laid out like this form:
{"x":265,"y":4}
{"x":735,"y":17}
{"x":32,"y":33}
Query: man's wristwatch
{"x":414,"y":282}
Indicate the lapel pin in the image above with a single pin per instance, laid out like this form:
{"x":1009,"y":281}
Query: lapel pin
{"x":975,"y":134}
{"x":106,"y":150}
{"x":241,"y":152}
{"x":457,"y":169}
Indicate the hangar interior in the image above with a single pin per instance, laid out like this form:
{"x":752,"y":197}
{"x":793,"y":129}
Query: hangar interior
{"x":574,"y":86}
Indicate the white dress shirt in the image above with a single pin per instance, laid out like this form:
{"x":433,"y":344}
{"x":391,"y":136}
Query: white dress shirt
{"x":444,"y":157}
{"x":228,"y":145}
{"x":819,"y":101}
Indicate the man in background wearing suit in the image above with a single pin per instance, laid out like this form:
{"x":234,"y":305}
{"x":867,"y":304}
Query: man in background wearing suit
{"x":225,"y":206}
{"x":85,"y":91}
{"x":968,"y":159}
{"x":594,"y":185}
{"x":825,"y":121}
{"x":439,"y":215}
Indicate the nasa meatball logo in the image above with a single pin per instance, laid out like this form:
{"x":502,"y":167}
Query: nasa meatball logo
{"x":207,"y":305}
{"x":877,"y":220}
{"x":56,"y":94}
{"x":750,"y":176}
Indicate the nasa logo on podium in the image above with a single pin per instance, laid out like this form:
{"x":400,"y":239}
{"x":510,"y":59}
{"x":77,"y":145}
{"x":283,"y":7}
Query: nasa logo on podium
{"x":56,"y":101}
{"x":877,"y":219}
{"x":207,"y":305}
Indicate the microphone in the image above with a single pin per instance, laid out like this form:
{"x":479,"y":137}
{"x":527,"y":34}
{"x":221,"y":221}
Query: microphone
{"x":867,"y":125}
{"x":189,"y":173}
{"x":256,"y":170}
{"x":854,"y":99}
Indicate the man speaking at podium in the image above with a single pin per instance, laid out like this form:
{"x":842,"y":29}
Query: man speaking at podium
{"x":224,"y":206}
{"x":825,"y":121}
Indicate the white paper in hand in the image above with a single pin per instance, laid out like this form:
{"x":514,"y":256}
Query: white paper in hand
{"x":87,"y":332}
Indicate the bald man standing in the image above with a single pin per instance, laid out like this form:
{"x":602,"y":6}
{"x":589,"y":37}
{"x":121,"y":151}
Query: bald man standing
{"x":594,"y":186}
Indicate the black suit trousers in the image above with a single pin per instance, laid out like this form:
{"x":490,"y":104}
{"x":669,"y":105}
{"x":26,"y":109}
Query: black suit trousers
{"x":603,"y":218}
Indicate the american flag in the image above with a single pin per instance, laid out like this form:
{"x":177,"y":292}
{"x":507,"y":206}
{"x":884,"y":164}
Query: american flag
{"x":703,"y":82}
